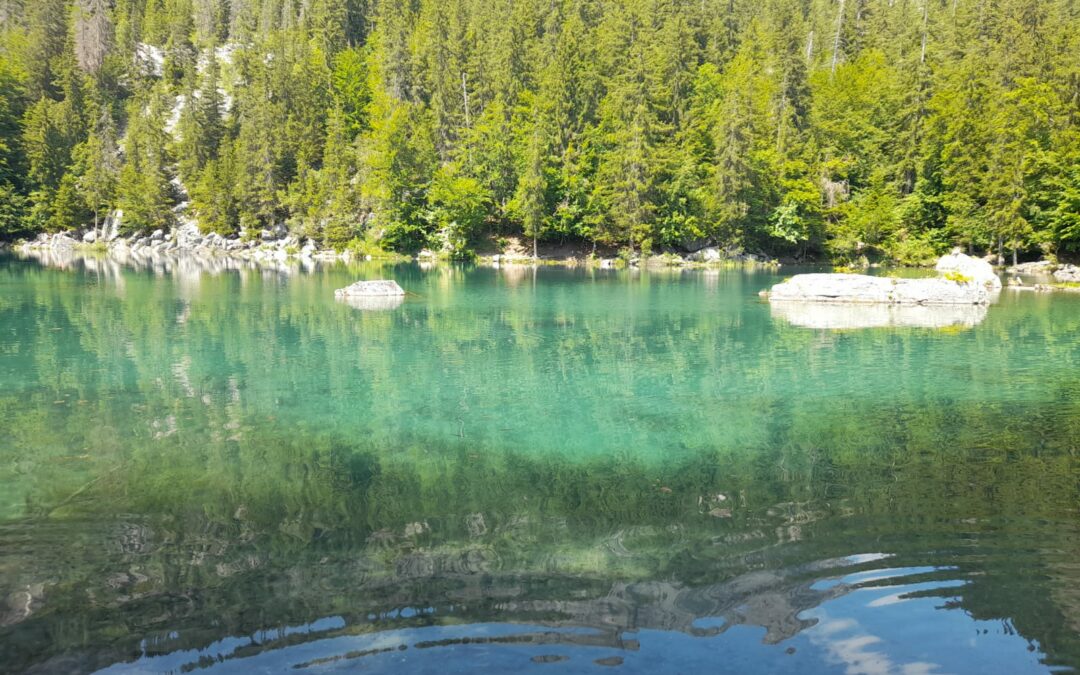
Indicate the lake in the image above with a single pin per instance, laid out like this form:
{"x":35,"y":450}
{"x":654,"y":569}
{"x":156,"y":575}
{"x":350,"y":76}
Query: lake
{"x":527,"y":469}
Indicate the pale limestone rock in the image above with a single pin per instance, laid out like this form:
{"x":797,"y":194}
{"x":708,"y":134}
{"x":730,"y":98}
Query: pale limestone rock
{"x":1068,"y":274}
{"x":380,"y":288}
{"x":861,"y":289}
{"x":979,"y":271}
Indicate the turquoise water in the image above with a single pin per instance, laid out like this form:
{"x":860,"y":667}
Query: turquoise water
{"x":550,"y":469}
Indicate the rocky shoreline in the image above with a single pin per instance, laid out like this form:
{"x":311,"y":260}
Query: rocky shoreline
{"x":1061,"y":273}
{"x":186,"y":240}
{"x":278,"y":247}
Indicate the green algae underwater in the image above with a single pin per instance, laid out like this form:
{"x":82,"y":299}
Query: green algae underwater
{"x":524,"y":468}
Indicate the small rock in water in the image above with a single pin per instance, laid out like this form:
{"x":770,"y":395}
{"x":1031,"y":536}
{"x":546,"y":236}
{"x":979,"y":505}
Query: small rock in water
{"x":381,"y":288}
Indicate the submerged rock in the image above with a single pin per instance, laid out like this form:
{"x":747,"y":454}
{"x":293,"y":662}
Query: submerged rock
{"x":977,"y":270}
{"x":371,"y":289}
{"x":372,"y":302}
{"x":841,"y":316}
{"x":861,"y":289}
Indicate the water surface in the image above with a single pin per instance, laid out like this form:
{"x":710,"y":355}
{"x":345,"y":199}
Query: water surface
{"x":518,"y":469}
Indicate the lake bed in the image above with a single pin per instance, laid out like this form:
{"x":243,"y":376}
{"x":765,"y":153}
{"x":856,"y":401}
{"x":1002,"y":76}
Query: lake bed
{"x":525,"y":468}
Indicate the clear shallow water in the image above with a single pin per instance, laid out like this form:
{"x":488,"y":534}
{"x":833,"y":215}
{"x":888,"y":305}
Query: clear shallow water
{"x":518,"y":469}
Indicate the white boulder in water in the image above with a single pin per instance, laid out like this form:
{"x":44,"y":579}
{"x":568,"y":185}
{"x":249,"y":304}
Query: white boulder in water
{"x":371,"y":289}
{"x":977,"y":270}
{"x":964,"y":281}
{"x":858,"y":288}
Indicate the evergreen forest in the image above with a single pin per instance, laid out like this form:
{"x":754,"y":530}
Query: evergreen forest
{"x":846,"y":130}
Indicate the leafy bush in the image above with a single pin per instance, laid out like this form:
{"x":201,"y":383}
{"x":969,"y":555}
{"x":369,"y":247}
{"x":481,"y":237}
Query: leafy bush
{"x":958,"y":277}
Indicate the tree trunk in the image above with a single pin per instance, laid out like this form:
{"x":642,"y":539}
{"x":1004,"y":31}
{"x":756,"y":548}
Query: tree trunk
{"x":465,"y":96}
{"x":925,"y":19}
{"x":836,"y":40}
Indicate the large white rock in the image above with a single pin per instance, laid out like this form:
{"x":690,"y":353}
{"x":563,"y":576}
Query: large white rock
{"x":940,"y":292}
{"x":833,"y":288}
{"x":710,"y":254}
{"x":62,"y":242}
{"x":1068,"y":274}
{"x":371,"y":289}
{"x":858,"y":288}
{"x":979,"y":271}
{"x":110,"y":227}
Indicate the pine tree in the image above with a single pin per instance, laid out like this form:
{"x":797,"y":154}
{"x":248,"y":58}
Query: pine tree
{"x":145,"y":192}
{"x":97,"y":169}
{"x":530,"y":201}
{"x":201,"y":126}
{"x":212,"y":194}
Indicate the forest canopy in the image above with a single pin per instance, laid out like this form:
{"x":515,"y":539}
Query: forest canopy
{"x":847,"y":129}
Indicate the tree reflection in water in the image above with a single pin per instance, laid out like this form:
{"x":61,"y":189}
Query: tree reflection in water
{"x":227,"y":466}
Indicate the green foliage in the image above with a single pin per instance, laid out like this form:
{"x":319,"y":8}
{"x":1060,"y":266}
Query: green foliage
{"x":458,"y":206}
{"x":68,"y":209}
{"x":12,"y":212}
{"x":914,"y":250}
{"x":340,"y":231}
{"x":12,"y":105}
{"x":146,"y":193}
{"x":96,"y":166}
{"x":212,"y":196}
{"x":626,"y":124}
{"x":958,"y":277}
{"x":351,"y":93}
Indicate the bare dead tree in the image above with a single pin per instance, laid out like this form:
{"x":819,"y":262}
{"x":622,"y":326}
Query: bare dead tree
{"x":93,"y":34}
{"x":925,"y":23}
{"x":836,"y":40}
{"x":206,"y":14}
